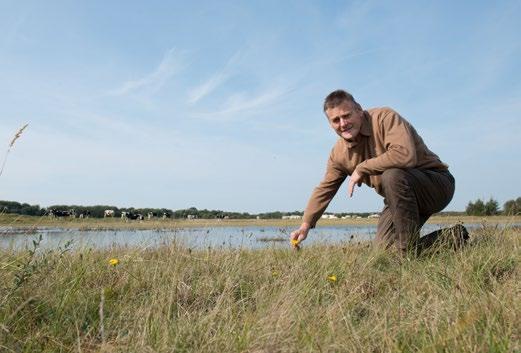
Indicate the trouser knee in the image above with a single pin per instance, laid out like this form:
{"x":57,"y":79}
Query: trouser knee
{"x":394,"y":181}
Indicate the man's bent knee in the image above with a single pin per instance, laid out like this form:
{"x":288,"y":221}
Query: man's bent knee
{"x":393,"y":178}
{"x":393,"y":175}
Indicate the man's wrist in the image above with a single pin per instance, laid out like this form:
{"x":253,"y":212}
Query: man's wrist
{"x":305,"y":226}
{"x":361,"y":168}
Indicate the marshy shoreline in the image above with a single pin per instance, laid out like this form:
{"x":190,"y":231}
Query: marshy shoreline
{"x":18,"y":223}
{"x":323,"y":298}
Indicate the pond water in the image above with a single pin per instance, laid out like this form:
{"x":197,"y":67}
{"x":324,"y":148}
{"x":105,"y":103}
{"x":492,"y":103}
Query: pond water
{"x":197,"y":238}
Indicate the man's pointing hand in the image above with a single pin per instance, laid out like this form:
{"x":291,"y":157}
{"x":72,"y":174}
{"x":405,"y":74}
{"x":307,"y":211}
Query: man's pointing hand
{"x":354,"y":179}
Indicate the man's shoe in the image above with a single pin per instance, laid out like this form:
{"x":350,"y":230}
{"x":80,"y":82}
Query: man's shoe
{"x":457,"y":236}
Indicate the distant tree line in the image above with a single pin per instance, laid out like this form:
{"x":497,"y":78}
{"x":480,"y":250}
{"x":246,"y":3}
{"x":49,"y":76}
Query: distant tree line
{"x":474,"y":208}
{"x":481,"y":208}
{"x":98,"y":211}
{"x":491,"y":208}
{"x":21,"y":208}
{"x":512,"y":207}
{"x":210,"y":214}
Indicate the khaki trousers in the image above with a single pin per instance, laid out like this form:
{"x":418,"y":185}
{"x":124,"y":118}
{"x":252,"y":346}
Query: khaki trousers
{"x":411,"y":196}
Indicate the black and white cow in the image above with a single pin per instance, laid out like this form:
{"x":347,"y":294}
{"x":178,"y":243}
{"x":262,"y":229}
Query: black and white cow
{"x":109,"y":213}
{"x":53,"y":213}
{"x":166,"y":215}
{"x":132,"y":216}
{"x":84,"y":214}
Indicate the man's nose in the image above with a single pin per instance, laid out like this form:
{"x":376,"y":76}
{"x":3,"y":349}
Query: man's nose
{"x":344,"y":121}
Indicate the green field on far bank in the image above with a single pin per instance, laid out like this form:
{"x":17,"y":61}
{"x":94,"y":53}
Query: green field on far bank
{"x":19,"y":221}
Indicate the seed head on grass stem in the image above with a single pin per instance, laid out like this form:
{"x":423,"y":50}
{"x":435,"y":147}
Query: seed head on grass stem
{"x":17,"y":135}
{"x":11,"y":144}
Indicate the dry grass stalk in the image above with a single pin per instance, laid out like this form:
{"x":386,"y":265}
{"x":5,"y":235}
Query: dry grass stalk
{"x":11,"y":144}
{"x":17,"y":135}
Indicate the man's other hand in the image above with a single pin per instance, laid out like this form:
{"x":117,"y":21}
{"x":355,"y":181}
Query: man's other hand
{"x":354,"y":179}
{"x":301,"y":233}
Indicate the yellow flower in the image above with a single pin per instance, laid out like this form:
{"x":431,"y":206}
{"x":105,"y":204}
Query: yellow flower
{"x":275,"y":273}
{"x":295,"y":243}
{"x":332,"y":278}
{"x":113,"y":262}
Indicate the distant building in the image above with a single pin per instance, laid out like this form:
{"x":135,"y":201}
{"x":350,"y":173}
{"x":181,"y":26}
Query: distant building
{"x":329,"y":216}
{"x":292,"y":217}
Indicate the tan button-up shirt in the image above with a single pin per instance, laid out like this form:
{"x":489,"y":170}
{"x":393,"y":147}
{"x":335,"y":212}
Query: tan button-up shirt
{"x":386,"y":140}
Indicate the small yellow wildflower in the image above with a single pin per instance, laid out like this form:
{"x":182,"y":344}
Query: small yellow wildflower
{"x":113,"y":262}
{"x":275,"y":273}
{"x":331,"y":278}
{"x":295,"y":243}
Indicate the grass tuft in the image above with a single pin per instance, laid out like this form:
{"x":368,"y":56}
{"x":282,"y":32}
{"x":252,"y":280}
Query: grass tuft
{"x":323,"y":298}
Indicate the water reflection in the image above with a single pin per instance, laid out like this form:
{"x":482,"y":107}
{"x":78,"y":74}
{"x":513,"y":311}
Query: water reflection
{"x":253,"y":237}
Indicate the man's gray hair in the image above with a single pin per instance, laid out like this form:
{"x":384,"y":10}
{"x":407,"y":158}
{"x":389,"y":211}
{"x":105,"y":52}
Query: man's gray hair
{"x":335,"y":98}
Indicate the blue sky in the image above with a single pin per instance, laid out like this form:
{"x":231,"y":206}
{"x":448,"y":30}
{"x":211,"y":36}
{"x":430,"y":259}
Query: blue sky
{"x":218,"y":104}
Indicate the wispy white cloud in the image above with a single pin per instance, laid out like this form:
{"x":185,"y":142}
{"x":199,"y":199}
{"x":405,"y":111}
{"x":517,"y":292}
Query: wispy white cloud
{"x":244,"y":104}
{"x":217,"y":79}
{"x":154,"y":81}
{"x":207,"y":87}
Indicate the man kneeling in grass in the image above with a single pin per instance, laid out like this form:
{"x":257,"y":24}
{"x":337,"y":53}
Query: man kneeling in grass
{"x":379,"y":148}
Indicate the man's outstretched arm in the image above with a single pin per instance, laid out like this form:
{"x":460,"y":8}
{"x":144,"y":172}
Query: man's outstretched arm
{"x":320,"y":198}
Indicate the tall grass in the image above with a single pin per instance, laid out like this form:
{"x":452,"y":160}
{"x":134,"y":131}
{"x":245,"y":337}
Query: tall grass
{"x":10,"y":146}
{"x":174,"y":299}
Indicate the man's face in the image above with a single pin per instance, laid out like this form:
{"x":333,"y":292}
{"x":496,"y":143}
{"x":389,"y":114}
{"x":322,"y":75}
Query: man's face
{"x":346,"y":120}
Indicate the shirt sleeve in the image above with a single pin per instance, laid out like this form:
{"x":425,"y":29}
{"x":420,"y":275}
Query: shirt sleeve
{"x":325,"y":191}
{"x":399,"y":144}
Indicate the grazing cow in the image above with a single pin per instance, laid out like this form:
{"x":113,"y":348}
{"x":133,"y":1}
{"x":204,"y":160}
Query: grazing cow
{"x":53,"y":213}
{"x":61,"y":213}
{"x":137,"y":216}
{"x":150,"y":215}
{"x":84,"y":214}
{"x":108,"y":213}
{"x":166,"y":215}
{"x":133,"y":216}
